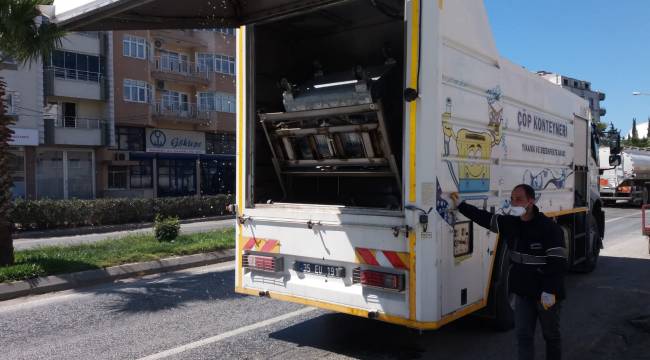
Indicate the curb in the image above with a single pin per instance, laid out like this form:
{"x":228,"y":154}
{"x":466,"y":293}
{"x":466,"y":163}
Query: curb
{"x":62,"y":282}
{"x":102,"y":229}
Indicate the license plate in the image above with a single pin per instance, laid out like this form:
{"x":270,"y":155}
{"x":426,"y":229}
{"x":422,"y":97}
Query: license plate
{"x":318,"y":269}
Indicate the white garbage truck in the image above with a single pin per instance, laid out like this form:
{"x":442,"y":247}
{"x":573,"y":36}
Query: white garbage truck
{"x":629,"y":182}
{"x":355,"y":121}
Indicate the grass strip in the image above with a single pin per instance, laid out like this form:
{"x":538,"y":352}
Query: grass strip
{"x":53,"y":260}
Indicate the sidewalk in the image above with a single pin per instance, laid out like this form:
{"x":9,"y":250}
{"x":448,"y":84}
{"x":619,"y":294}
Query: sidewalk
{"x":187,"y":228}
{"x":68,"y":281}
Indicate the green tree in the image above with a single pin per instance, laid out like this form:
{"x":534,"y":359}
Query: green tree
{"x":25,"y":36}
{"x":635,"y":133}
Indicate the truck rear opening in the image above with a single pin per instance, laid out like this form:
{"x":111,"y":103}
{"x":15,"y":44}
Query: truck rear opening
{"x":328,"y":92}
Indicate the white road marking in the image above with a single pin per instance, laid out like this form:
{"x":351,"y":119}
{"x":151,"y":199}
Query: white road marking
{"x":226,"y":335}
{"x":622,"y":217}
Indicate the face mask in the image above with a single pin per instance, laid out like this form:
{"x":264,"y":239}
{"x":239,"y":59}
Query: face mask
{"x":517,"y":210}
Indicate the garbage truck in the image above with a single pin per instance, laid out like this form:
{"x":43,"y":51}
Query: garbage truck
{"x":629,"y":182}
{"x":356,"y":119}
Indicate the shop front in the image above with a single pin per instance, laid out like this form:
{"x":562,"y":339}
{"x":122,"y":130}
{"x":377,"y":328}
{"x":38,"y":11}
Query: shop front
{"x":21,"y":165}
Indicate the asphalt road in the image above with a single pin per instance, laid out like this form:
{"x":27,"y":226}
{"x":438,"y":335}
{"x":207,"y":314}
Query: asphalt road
{"x":194,"y":314}
{"x":191,"y":228}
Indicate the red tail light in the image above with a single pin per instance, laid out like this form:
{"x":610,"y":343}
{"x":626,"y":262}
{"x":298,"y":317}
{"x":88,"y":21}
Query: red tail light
{"x":263,"y":263}
{"x":379,"y":279}
{"x":625,"y":189}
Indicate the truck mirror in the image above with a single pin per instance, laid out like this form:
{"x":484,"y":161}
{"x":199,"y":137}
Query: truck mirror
{"x":615,"y":144}
{"x":614,"y":160}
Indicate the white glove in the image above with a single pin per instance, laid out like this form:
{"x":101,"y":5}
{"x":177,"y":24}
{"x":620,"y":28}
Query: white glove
{"x":547,"y":300}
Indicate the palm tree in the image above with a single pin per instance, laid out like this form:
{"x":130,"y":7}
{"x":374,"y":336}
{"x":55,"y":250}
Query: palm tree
{"x":25,"y":36}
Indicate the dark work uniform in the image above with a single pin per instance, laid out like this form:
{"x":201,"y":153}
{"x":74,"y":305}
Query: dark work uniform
{"x":538,"y":259}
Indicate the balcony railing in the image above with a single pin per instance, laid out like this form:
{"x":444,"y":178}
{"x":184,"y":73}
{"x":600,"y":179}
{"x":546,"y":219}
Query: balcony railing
{"x":180,"y":110}
{"x":73,"y":74}
{"x":173,"y":65}
{"x":78,"y":123}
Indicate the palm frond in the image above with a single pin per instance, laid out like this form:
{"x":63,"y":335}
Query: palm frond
{"x":26,"y":35}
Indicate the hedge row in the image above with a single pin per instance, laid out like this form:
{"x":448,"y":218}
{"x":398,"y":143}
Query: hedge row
{"x":51,"y":214}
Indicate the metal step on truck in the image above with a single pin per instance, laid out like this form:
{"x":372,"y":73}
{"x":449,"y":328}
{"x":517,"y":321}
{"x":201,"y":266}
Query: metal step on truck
{"x":355,"y":121}
{"x":629,"y":182}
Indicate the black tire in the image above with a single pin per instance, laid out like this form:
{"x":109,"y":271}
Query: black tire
{"x":505,"y":304}
{"x":593,"y":246}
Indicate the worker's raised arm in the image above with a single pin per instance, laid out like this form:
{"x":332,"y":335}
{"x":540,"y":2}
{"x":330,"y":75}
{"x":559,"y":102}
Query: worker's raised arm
{"x":484,"y":218}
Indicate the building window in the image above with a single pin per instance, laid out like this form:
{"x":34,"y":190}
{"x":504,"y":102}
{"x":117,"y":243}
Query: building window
{"x":117,"y":176}
{"x":142,"y":175}
{"x":216,"y":63}
{"x":73,"y":66}
{"x":173,"y":62}
{"x":176,"y":177}
{"x":565,"y":82}
{"x":225,"y":31}
{"x":8,"y":60}
{"x":64,"y":174}
{"x":137,"y":91}
{"x":211,"y":101}
{"x":130,"y":138}
{"x":587,"y":86}
{"x":49,"y":174}
{"x":222,"y":143}
{"x":591,"y":103}
{"x":135,"y":47}
{"x":217,"y":176}
{"x":10,"y":102}
{"x":175,"y":101}
{"x":17,"y":173}
{"x":575,"y":84}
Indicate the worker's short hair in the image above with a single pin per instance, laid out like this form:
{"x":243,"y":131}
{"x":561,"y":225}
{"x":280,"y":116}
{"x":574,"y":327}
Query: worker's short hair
{"x":530,"y":192}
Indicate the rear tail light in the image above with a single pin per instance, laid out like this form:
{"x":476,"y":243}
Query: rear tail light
{"x":263,"y":263}
{"x":625,"y":189}
{"x":378,"y":279}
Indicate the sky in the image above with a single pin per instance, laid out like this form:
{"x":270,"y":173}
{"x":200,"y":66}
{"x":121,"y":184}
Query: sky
{"x":602,"y":41}
{"x":61,"y":6}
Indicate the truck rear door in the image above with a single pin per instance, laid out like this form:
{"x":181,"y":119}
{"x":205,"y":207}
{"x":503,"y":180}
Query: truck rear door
{"x":172,"y":14}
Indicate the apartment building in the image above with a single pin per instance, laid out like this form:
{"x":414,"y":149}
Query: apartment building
{"x":172,"y":99}
{"x":76,"y":122}
{"x":581,"y":88}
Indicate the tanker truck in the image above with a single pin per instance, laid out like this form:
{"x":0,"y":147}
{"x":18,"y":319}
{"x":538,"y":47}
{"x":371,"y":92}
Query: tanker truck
{"x":629,"y":182}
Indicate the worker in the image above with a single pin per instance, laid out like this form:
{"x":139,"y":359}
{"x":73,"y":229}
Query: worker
{"x":538,"y":257}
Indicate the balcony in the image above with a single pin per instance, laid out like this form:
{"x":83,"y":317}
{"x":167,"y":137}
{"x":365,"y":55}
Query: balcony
{"x":74,"y":83}
{"x":68,"y":130}
{"x":180,"y":111}
{"x":177,"y":38}
{"x":602,"y":112}
{"x":171,"y":69}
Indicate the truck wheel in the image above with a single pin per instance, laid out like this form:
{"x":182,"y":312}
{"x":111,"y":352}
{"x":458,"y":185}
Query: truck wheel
{"x":593,"y":246}
{"x":505,"y":300}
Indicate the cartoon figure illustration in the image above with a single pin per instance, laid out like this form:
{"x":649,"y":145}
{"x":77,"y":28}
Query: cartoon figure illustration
{"x":544,"y":178}
{"x":473,"y":177}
